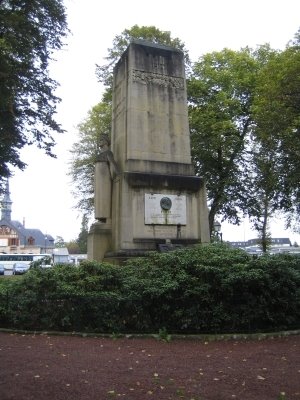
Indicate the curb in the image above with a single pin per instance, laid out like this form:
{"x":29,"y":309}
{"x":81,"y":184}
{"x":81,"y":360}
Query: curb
{"x":200,"y":337}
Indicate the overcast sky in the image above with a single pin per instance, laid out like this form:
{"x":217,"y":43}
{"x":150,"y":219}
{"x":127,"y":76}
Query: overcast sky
{"x":42,"y":193}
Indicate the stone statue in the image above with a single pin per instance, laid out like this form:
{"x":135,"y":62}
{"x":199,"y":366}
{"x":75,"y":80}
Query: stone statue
{"x":105,"y":171}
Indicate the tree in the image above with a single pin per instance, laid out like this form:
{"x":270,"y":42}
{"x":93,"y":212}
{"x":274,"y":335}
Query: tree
{"x":30,"y":31}
{"x":98,"y":120}
{"x":84,"y":153}
{"x":73,"y":247}
{"x":221,"y":91}
{"x":277,"y":114}
{"x":264,"y":190}
{"x":83,"y":235}
{"x":59,"y":242}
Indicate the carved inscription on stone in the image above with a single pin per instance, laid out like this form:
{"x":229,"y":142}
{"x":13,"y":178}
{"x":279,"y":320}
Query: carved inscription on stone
{"x":163,"y":209}
{"x":148,"y":78}
{"x":158,"y":65}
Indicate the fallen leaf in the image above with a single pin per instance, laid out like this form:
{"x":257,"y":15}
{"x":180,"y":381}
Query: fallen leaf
{"x":260,"y":377}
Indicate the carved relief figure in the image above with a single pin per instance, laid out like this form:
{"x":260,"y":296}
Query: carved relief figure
{"x":105,"y":171}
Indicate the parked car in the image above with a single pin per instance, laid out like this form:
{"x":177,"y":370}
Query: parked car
{"x":20,"y":268}
{"x":2,"y":269}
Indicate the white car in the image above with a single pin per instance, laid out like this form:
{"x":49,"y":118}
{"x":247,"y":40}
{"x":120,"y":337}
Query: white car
{"x":20,"y":268}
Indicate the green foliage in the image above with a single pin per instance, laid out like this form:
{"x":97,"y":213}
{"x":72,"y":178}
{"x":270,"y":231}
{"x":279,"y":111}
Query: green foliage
{"x":83,"y":235}
{"x":163,"y":335}
{"x":59,"y":242}
{"x":204,"y":289}
{"x":84,"y":152}
{"x":73,"y":247}
{"x":44,"y":261}
{"x":221,"y":90}
{"x":276,"y":110}
{"x":29,"y":33}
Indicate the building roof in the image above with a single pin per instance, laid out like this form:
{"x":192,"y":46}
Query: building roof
{"x":40,"y":239}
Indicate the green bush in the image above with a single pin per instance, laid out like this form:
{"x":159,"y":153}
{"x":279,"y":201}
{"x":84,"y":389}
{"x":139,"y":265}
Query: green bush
{"x":204,"y":289}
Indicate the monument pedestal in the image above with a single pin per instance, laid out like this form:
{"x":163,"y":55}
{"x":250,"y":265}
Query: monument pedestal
{"x":156,"y":199}
{"x":99,"y":240}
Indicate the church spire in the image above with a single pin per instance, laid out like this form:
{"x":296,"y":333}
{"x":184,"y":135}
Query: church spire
{"x":6,"y":204}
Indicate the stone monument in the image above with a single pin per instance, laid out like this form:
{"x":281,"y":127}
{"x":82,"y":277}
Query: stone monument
{"x":147,"y":196}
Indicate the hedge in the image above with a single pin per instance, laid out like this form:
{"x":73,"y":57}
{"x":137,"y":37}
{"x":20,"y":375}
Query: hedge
{"x":204,"y":289}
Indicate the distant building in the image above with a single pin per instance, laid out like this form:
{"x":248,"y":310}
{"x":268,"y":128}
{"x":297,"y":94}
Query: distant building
{"x":61,"y":255}
{"x":274,"y":242}
{"x":15,"y":238}
{"x":277,"y":245}
{"x":278,"y":242}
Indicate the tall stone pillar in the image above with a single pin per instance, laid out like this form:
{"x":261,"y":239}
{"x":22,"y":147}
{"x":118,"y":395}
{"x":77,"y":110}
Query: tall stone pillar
{"x":156,"y":197}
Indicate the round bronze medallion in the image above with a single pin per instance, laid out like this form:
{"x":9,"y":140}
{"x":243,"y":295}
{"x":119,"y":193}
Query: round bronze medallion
{"x":166,"y":203}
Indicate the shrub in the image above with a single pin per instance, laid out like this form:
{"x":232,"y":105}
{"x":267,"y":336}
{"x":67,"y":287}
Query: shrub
{"x":202,"y":289}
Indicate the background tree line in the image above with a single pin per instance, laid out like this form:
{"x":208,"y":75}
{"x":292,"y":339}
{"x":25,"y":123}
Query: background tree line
{"x":244,"y":122}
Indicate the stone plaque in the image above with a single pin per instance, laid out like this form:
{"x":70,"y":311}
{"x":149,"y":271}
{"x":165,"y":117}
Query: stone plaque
{"x":165,"y":209}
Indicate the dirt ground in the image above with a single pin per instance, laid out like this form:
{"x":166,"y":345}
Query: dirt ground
{"x":43,"y":367}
